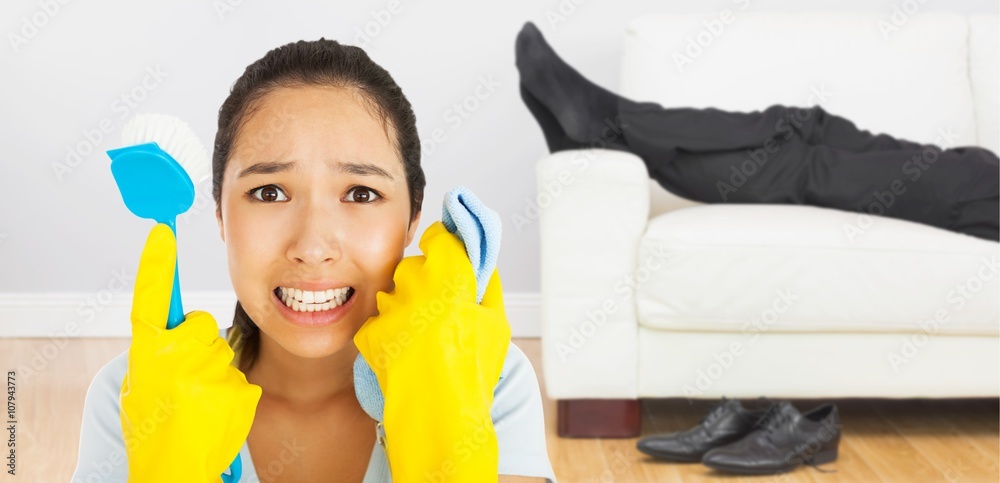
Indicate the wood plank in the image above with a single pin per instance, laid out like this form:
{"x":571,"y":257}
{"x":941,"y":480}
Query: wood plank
{"x":628,"y":464}
{"x":577,"y":459}
{"x":884,"y":449}
{"x":978,"y":427}
{"x":939,"y":442}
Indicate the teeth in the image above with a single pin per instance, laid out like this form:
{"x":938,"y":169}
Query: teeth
{"x":307,"y":301}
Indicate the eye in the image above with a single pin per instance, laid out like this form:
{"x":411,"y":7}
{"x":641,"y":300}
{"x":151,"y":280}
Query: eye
{"x":362,"y":196}
{"x":268,"y":194}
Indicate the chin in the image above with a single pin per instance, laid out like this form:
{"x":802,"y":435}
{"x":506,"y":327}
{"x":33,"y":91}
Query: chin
{"x":315,"y":344}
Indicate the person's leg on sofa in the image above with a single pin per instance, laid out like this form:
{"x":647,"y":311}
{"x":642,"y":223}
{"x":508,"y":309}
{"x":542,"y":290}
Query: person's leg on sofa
{"x":573,"y":111}
{"x":652,"y":128}
{"x":793,"y":155}
{"x":954,"y":189}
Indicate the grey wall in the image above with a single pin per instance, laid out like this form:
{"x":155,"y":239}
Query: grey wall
{"x":70,"y":232}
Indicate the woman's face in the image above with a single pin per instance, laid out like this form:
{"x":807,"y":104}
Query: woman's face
{"x":314,"y":198}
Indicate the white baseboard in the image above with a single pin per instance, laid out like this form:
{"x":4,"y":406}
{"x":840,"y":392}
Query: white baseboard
{"x":106,"y":313}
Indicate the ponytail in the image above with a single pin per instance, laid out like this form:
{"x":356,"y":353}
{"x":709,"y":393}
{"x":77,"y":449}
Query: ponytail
{"x":244,"y":338}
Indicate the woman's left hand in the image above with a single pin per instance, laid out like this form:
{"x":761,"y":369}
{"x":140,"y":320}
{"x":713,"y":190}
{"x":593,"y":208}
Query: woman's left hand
{"x":437,"y":355}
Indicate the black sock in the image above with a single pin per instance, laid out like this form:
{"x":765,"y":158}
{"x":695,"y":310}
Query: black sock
{"x":580,"y":107}
{"x":555,"y":137}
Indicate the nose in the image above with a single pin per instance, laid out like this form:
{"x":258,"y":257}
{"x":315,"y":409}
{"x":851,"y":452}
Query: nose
{"x":316,"y":234}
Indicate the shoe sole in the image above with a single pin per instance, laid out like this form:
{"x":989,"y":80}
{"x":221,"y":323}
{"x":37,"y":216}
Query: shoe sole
{"x":820,"y":458}
{"x":673,"y":457}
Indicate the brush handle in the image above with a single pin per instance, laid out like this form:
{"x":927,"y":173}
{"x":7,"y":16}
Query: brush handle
{"x":174,"y":319}
{"x":235,"y":471}
{"x":176,"y":315}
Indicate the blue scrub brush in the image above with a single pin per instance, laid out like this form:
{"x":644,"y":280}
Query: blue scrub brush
{"x":156,"y":172}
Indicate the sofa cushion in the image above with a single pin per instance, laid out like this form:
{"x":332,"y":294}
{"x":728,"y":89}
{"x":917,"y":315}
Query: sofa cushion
{"x":911,"y":82}
{"x":795,"y":268}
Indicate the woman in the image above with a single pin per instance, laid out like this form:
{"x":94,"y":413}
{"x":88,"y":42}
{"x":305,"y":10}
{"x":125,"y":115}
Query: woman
{"x":779,"y":155}
{"x":318,"y":187}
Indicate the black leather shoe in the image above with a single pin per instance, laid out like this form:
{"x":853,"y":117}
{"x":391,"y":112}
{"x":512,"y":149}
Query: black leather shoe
{"x":785,"y":440}
{"x":726,"y":422}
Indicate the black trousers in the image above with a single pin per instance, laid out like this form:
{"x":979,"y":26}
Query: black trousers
{"x":807,"y":156}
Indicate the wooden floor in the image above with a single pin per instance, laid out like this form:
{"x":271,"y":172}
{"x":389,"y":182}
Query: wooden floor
{"x":883,"y":440}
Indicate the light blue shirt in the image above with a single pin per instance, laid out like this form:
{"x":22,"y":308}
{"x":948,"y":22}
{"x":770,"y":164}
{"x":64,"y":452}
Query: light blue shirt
{"x":517,"y":418}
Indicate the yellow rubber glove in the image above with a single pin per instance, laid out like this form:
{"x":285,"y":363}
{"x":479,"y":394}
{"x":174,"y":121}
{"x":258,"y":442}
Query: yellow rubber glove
{"x":437,"y":355}
{"x":185,"y":411}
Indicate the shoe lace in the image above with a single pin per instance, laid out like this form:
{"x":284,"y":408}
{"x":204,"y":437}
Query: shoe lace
{"x":714,"y":412}
{"x":812,"y":464}
{"x":772,"y":420}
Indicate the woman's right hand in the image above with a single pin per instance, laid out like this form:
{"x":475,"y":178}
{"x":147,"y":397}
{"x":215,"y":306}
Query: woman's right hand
{"x":185,"y":411}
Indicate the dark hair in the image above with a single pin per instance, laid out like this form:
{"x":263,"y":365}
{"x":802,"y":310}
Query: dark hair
{"x":305,"y":63}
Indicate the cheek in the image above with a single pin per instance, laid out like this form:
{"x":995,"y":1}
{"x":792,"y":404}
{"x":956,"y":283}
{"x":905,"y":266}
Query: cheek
{"x":249,"y":252}
{"x":379,"y":250}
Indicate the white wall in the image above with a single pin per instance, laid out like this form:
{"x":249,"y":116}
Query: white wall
{"x":65,"y":67}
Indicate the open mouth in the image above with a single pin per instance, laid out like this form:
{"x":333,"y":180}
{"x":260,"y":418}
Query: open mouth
{"x":309,"y":301}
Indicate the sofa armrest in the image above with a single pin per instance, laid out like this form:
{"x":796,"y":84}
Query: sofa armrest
{"x":594,"y":207}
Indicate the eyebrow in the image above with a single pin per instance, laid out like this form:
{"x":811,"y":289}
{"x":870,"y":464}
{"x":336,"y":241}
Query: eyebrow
{"x":361,"y":169}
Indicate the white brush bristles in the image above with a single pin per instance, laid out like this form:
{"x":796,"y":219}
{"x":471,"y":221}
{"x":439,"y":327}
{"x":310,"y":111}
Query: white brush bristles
{"x":173,"y":136}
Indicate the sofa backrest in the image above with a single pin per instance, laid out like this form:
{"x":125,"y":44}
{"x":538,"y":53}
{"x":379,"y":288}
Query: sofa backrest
{"x":904,"y":75}
{"x":984,"y":71}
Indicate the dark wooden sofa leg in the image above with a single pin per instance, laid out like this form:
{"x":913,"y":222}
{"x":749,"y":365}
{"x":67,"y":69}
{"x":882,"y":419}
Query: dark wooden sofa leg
{"x":599,"y":418}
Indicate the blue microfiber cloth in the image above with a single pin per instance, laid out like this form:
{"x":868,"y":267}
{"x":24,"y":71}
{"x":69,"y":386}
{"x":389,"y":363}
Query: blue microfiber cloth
{"x":479,"y":229}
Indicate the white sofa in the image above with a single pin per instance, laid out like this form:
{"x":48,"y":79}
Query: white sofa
{"x":648,"y":295}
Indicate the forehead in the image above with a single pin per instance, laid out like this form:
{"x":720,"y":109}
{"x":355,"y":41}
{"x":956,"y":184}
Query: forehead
{"x":315,"y":125}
